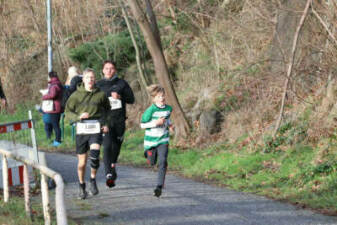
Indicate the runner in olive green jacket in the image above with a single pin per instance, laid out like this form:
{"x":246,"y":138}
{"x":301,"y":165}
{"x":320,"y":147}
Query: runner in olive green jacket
{"x":95,"y":103}
{"x":88,"y":107}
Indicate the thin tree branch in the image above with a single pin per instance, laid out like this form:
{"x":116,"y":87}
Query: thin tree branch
{"x":32,"y":14}
{"x":324,"y":25}
{"x":290,"y":66}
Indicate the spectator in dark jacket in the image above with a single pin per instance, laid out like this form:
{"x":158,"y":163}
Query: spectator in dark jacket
{"x":75,"y":81}
{"x":52,"y":122}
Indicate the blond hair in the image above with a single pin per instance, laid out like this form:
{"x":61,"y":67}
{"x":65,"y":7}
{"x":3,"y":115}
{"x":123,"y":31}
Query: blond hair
{"x":72,"y":72}
{"x":88,"y":70}
{"x":155,"y":89}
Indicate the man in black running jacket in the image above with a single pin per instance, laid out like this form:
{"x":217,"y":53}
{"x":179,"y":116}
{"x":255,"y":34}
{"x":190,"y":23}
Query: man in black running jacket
{"x":119,"y":93}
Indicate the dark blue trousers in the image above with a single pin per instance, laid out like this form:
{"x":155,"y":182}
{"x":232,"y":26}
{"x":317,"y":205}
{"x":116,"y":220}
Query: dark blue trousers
{"x":52,"y":123}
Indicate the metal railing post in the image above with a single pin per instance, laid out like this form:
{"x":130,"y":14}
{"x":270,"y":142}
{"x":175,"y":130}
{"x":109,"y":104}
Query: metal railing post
{"x":32,"y":132}
{"x":45,"y":172}
{"x":5,"y":178}
{"x":26,"y":191}
{"x":59,"y":200}
{"x":50,"y":35}
{"x":45,"y":199}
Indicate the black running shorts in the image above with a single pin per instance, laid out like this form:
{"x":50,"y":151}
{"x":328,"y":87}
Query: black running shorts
{"x":84,"y":141}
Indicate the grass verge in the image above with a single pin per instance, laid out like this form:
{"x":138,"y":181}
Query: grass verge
{"x":290,"y":169}
{"x":289,"y":174}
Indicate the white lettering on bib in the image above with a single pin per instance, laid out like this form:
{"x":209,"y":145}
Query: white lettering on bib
{"x":115,"y":103}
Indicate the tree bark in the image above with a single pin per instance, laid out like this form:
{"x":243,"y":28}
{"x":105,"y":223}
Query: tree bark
{"x":290,"y":66}
{"x":287,"y":21}
{"x":182,"y":126}
{"x":139,"y":66}
{"x":153,"y":23}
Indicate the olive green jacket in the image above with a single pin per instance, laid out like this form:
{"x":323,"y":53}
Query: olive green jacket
{"x":95,"y":103}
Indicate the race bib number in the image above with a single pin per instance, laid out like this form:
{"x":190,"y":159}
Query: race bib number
{"x":88,"y":127}
{"x":115,"y":103}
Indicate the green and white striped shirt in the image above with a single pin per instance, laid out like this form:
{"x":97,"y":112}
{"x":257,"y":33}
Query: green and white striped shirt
{"x":156,"y":135}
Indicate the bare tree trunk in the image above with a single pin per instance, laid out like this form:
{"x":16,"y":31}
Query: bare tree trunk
{"x":153,"y":22}
{"x":290,"y":66}
{"x":139,"y":66}
{"x":182,"y":126}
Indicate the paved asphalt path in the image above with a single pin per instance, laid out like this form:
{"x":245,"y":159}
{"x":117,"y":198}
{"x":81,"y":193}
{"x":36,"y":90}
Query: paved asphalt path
{"x":184,"y":202}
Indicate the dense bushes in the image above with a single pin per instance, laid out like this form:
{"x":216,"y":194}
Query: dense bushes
{"x":117,"y":47}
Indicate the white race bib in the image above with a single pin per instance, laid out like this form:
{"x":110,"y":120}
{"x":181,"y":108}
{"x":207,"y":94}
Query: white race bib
{"x":115,"y":103}
{"x":47,"y":105}
{"x":88,"y":127}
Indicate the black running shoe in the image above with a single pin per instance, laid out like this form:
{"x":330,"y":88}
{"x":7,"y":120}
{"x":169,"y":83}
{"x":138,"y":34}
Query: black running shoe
{"x":157,"y":192}
{"x":93,"y":187}
{"x":110,"y":182}
{"x":82,"y":192}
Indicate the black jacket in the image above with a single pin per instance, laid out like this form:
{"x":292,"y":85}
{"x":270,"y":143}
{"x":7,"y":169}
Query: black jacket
{"x":123,"y":89}
{"x":77,"y":80}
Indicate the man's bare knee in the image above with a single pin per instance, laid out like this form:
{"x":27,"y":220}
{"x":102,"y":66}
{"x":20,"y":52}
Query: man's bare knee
{"x":81,"y":166}
{"x":82,"y":161}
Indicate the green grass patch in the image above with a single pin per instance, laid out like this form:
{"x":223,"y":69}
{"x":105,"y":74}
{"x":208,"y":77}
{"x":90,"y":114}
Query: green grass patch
{"x":68,"y":144}
{"x":287,"y":174}
{"x":286,"y":168}
{"x":13,"y":212}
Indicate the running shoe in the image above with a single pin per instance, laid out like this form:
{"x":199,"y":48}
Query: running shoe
{"x":93,"y":187}
{"x":110,"y":182}
{"x":157,"y":192}
{"x":82,"y":192}
{"x":56,"y":144}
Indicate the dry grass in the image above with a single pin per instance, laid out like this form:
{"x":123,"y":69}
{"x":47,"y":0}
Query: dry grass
{"x":23,"y":54}
{"x":221,"y":58}
{"x":235,"y":61}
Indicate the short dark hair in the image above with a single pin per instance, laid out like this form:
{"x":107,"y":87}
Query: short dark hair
{"x":52,"y":74}
{"x":108,"y":61}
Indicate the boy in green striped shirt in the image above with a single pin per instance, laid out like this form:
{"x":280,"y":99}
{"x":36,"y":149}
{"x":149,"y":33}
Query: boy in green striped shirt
{"x":156,"y":121}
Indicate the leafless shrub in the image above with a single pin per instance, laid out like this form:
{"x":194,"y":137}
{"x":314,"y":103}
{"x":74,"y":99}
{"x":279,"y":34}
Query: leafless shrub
{"x":24,"y":39}
{"x":225,"y":47}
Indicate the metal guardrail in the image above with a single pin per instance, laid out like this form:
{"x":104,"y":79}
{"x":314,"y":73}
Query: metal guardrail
{"x":16,"y":122}
{"x":61,"y":216}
